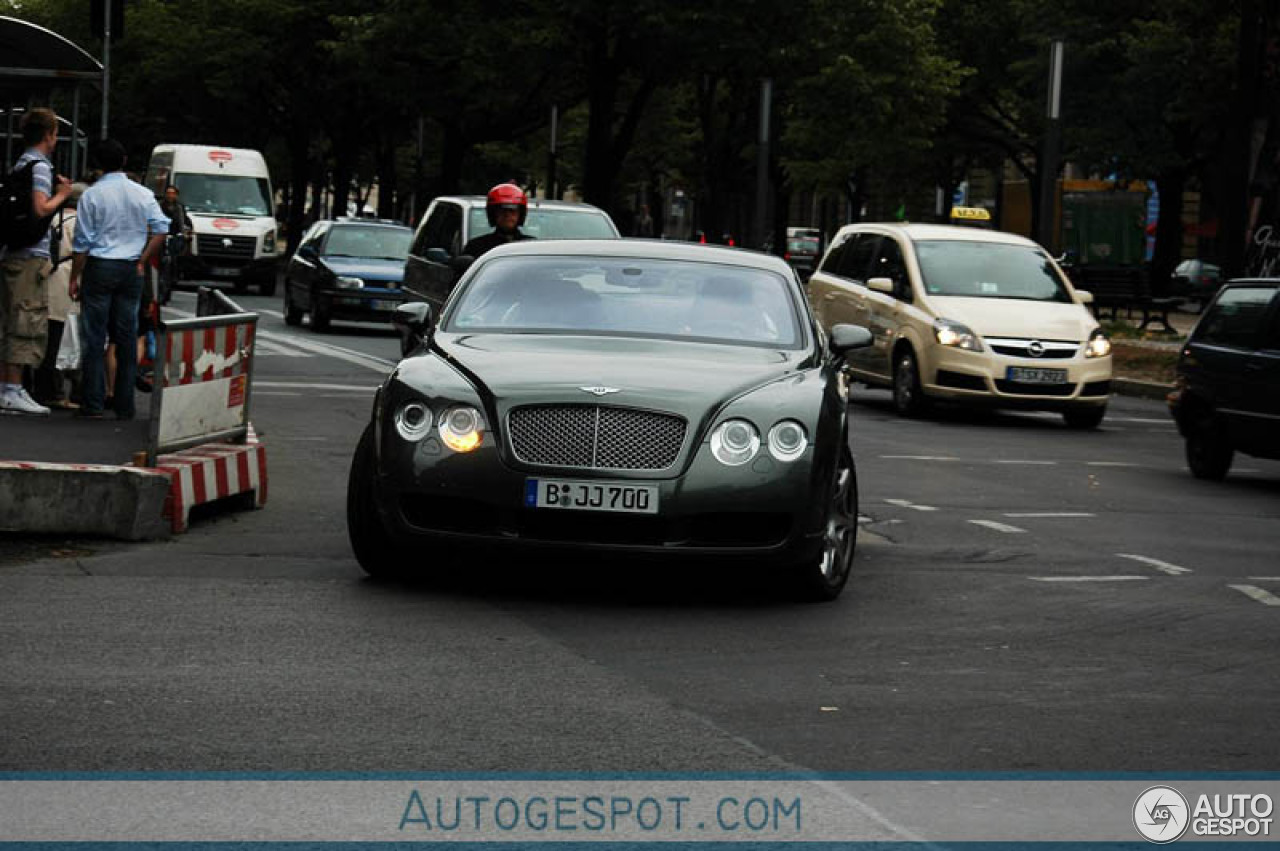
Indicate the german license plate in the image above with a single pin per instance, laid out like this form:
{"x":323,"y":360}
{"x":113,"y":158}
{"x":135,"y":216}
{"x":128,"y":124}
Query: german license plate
{"x":1036,"y":375}
{"x":591,"y":496}
{"x":385,"y":306}
{"x":223,"y":272}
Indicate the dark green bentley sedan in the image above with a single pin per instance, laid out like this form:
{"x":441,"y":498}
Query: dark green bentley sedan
{"x":643,"y":397}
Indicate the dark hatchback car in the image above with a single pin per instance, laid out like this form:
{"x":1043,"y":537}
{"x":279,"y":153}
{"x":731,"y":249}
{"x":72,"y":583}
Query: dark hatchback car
{"x":347,"y":269}
{"x":1227,"y":395}
{"x":452,"y":221}
{"x":614,"y":396}
{"x":1196,"y":281}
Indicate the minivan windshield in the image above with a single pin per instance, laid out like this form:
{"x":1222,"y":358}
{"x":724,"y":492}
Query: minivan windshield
{"x":224,"y":193}
{"x":952,"y":267}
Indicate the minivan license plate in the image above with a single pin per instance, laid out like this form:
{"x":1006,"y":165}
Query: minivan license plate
{"x":1037,"y":375}
{"x":591,"y":496}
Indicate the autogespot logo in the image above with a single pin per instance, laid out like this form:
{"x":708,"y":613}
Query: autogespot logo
{"x":1160,"y":814}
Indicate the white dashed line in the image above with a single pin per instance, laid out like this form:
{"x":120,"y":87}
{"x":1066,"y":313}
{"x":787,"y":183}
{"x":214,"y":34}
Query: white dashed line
{"x":906,"y":503}
{"x":1264,"y":597}
{"x":1171,"y":569}
{"x":1086,"y":578}
{"x":1049,"y":514}
{"x":1031,"y":463}
{"x":920,"y":457}
{"x":999,"y":527}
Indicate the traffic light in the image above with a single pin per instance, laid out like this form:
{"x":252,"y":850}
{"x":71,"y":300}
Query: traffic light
{"x":98,"y":16}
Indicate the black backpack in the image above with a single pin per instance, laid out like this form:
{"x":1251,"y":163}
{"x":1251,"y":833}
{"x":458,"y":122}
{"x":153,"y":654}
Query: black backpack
{"x":20,"y":227}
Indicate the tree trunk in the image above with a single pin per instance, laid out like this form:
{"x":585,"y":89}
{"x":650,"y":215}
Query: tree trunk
{"x":299,"y":176}
{"x":454,"y":151}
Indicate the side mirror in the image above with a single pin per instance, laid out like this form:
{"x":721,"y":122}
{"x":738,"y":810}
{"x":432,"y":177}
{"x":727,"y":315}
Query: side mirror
{"x":308,"y":252}
{"x":412,"y":322}
{"x":461,"y":263}
{"x":1085,"y":296}
{"x":881,"y":285}
{"x":437,"y":255}
{"x":846,"y":338}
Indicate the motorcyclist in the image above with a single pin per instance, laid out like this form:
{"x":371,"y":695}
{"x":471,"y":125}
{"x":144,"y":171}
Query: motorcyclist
{"x":507,"y":207}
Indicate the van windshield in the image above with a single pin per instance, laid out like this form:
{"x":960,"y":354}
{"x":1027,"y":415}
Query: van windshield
{"x":224,"y":193}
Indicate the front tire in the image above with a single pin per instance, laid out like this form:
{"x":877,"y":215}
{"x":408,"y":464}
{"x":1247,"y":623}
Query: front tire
{"x":908,"y":396}
{"x":823,"y":578}
{"x":373,"y":544}
{"x":1209,"y":454}
{"x":1084,"y":418}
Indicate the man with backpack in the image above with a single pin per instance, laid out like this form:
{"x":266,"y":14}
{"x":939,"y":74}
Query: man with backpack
{"x":24,"y":298}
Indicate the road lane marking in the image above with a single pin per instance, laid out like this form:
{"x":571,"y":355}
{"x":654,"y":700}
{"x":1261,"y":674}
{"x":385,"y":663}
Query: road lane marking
{"x":1035,"y":463}
{"x":266,"y":347}
{"x":1158,"y":421}
{"x":920,"y":457}
{"x":306,"y":385}
{"x":1086,"y":578}
{"x":1264,"y":597}
{"x":1171,"y":569}
{"x":906,"y":503}
{"x":1049,"y":514}
{"x":999,"y":527}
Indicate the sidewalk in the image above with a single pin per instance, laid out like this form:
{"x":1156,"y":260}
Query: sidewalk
{"x":64,"y":438}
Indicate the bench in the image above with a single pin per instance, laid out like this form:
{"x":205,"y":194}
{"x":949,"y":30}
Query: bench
{"x":1127,"y":288}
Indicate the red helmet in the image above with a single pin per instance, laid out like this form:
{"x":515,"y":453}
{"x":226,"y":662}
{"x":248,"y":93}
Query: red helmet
{"x":506,"y":195}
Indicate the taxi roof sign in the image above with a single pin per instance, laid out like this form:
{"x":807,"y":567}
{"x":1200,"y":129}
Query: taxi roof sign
{"x":973,"y":214}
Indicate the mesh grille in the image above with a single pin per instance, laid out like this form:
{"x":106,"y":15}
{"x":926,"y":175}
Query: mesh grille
{"x":210,"y":245}
{"x":594,"y":437}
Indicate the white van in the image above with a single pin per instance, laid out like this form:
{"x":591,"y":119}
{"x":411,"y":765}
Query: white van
{"x":227,"y":193}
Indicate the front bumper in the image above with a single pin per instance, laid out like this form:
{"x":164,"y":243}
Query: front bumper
{"x":370,"y":303}
{"x":761,"y":513}
{"x":983,"y":378}
{"x":233,"y":268}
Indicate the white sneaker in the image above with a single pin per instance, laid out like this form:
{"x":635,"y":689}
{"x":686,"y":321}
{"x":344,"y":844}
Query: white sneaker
{"x":18,"y":402}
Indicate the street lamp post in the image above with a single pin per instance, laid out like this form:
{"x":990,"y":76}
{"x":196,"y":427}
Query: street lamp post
{"x":1052,"y":151}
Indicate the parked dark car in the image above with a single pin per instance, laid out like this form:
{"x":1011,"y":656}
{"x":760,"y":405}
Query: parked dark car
{"x":1227,"y":395}
{"x":452,"y":221}
{"x":347,"y":269}
{"x":1196,"y":281}
{"x":650,"y":398}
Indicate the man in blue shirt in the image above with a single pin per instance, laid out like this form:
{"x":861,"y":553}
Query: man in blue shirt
{"x":119,"y":226}
{"x":24,"y":296}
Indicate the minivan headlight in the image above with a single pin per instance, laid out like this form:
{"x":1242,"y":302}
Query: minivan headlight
{"x":1099,"y":345}
{"x":956,"y":335}
{"x":269,"y":243}
{"x":735,"y":442}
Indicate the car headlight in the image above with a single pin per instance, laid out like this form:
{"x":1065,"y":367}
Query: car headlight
{"x":951,"y":333}
{"x":787,"y":440}
{"x":413,"y":420}
{"x":735,"y":442}
{"x":462,"y":428}
{"x":345,"y":283}
{"x":1099,"y":345}
{"x":269,"y":243}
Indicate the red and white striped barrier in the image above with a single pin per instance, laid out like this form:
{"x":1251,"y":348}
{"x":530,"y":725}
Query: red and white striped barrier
{"x":213,"y":471}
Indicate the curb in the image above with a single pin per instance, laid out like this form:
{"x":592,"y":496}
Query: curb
{"x":1141,"y":389}
{"x":89,"y":499}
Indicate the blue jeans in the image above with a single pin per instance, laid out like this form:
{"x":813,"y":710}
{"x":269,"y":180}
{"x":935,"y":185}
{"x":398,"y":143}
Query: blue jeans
{"x":109,"y":296}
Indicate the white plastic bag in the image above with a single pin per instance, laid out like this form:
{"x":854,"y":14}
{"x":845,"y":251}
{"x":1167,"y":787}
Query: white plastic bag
{"x":69,"y":350}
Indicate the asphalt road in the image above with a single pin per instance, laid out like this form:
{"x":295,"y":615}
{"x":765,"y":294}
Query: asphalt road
{"x":1025,"y":597}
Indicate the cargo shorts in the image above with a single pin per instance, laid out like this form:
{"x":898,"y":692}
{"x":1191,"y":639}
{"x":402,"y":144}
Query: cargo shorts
{"x":24,"y":310}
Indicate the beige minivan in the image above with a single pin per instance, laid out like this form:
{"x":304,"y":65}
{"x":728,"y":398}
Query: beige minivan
{"x":964,"y":315}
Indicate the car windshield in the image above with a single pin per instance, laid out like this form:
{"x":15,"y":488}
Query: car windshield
{"x":623,"y":296}
{"x":384,"y":243}
{"x":562,"y":223}
{"x":219,"y":193}
{"x":952,"y":267}
{"x":802,"y":246}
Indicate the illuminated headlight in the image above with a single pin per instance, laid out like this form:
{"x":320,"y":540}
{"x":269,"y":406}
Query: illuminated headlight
{"x":1099,"y":345}
{"x":950,"y":333}
{"x":787,"y":440}
{"x":345,"y":283}
{"x":735,"y":442}
{"x":462,"y":429}
{"x":413,"y":420}
{"x":269,"y":243}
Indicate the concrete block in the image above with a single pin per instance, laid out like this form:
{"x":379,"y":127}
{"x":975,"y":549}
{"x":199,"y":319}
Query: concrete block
{"x":117,"y":502}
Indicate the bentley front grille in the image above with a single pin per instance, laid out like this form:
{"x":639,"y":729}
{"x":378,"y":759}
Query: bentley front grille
{"x":595,"y":437}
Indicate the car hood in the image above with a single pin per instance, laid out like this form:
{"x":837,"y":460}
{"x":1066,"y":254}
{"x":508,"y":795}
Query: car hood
{"x":368,"y":268}
{"x":685,"y":378}
{"x":1018,"y":318}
